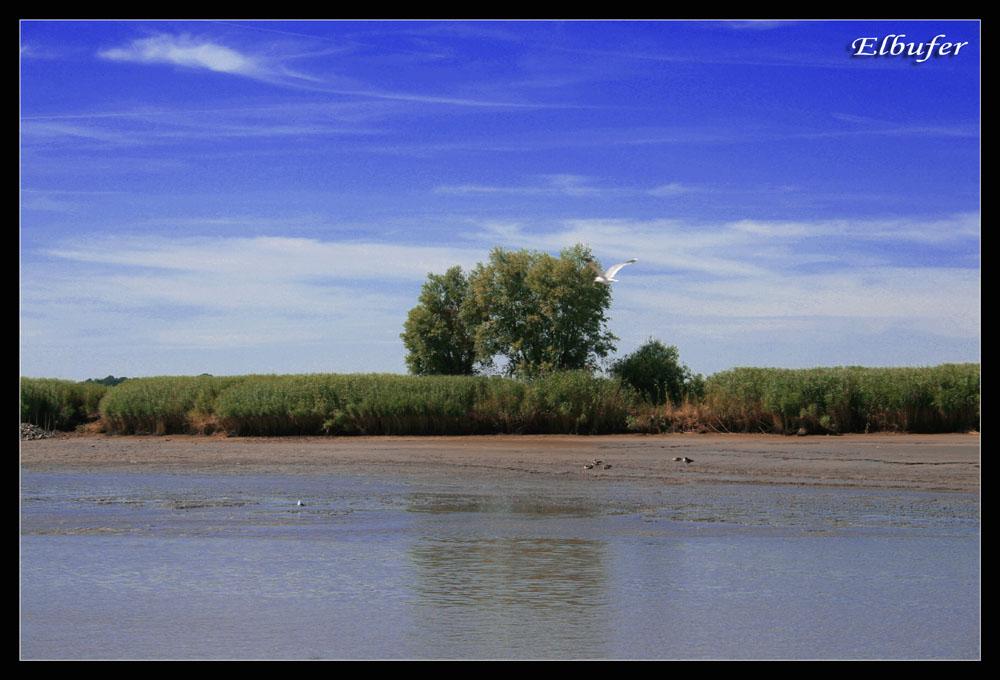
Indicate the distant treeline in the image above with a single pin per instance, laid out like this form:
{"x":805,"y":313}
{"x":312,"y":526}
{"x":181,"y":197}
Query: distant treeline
{"x":943,"y":398}
{"x":107,"y":381}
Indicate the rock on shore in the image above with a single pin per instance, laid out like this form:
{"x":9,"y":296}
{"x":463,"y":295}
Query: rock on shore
{"x":29,"y":431}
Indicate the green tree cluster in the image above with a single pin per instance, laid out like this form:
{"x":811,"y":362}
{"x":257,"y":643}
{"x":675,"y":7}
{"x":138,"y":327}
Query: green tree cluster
{"x":435,"y":336}
{"x":108,"y":381}
{"x":531,"y":312}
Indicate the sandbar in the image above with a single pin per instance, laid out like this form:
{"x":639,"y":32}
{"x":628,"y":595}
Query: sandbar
{"x":947,"y":462}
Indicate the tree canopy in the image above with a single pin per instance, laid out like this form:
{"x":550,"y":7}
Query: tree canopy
{"x":109,"y":381}
{"x":531,"y":311}
{"x":538,"y":312}
{"x":434,"y":334}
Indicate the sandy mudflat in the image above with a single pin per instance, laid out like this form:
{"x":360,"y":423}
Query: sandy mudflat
{"x":940,"y":462}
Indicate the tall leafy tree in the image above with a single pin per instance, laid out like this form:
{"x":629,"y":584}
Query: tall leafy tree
{"x":436,"y":339}
{"x":538,"y":312}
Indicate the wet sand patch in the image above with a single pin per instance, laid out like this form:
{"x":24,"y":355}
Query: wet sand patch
{"x":931,"y":462}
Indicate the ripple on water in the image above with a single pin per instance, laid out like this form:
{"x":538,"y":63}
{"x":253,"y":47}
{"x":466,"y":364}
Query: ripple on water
{"x":200,"y":566}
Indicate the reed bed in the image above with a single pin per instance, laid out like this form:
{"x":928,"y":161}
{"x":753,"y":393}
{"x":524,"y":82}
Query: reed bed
{"x":369,"y":404}
{"x":837,"y":400}
{"x":54,"y":404}
{"x":347,"y":404}
{"x":942,"y":398}
{"x":573,"y":402}
{"x":164,"y":405}
{"x":381,"y":404}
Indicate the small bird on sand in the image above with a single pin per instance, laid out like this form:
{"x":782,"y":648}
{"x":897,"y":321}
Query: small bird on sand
{"x":300,"y":504}
{"x":588,"y":467}
{"x":607,"y":466}
{"x":683,"y":459}
{"x":597,"y":462}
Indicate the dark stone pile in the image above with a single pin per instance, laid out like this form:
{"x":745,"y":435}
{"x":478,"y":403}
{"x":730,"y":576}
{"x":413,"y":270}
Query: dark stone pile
{"x":29,"y":431}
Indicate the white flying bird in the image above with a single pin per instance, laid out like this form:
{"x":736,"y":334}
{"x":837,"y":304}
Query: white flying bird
{"x":608,"y":276}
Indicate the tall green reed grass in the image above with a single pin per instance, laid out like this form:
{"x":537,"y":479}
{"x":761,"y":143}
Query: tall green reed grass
{"x":55,"y":404}
{"x":162,"y":405}
{"x":943,"y":398}
{"x":370,"y":404}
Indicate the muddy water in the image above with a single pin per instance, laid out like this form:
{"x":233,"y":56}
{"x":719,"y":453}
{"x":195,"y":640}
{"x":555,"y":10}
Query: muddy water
{"x":194,"y":566}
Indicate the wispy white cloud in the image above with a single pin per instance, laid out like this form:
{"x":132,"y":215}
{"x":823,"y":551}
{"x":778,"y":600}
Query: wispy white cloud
{"x":672,"y":189}
{"x":939,"y":300}
{"x":56,"y":200}
{"x":759,"y":24}
{"x":203,"y":53}
{"x":740,"y":249}
{"x":189,"y":52}
{"x":266,"y":258}
{"x":38,"y":51}
{"x":146,"y":126}
{"x":747,"y":250}
{"x":569,"y":185}
{"x":549,"y":185}
{"x":46,"y":131}
{"x":875,"y":126}
{"x":216,"y":294}
{"x":955,"y":228}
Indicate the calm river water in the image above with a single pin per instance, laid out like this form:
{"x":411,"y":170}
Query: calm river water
{"x":198,"y":566}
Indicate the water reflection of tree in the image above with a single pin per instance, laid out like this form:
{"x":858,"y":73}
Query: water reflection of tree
{"x":498,"y":596}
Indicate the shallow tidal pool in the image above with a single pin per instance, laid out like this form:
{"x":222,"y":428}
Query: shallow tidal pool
{"x":201,"y":566}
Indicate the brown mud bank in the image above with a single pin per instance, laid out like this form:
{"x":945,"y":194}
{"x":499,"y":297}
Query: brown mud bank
{"x":932,"y":462}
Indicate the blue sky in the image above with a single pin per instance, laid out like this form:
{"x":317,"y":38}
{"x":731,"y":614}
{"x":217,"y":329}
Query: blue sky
{"x":238,"y":197}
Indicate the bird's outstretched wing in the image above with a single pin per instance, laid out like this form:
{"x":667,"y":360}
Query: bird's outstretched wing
{"x":590,"y":263}
{"x":614,"y":270}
